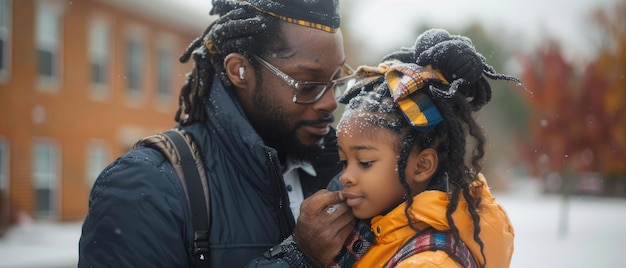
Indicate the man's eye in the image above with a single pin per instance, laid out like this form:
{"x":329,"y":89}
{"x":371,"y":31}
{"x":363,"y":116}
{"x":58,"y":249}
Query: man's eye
{"x":343,"y":163}
{"x":309,"y":90}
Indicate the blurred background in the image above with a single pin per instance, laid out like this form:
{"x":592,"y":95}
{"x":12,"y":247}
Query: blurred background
{"x":82,"y":80}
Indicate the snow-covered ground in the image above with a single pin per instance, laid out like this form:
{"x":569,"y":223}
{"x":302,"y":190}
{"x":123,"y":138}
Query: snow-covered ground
{"x":40,"y":245}
{"x":594,"y":235}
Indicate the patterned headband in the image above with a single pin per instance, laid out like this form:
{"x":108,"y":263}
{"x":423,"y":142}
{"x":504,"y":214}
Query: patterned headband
{"x":321,"y":14}
{"x":300,"y":22}
{"x":404,"y":81}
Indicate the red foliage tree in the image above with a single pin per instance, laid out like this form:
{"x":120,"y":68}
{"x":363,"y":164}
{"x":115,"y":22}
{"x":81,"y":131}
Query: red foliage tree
{"x":609,"y":71}
{"x":578,"y":121}
{"x":551,"y":80}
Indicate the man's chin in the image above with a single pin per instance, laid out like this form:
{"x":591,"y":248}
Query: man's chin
{"x":313,"y":141}
{"x":306,"y":151}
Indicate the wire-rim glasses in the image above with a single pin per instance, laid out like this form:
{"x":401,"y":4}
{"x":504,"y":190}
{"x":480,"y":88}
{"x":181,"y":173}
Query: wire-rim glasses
{"x":308,"y":92}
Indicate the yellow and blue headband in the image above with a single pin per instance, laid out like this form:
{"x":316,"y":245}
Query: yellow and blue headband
{"x":404,"y":81}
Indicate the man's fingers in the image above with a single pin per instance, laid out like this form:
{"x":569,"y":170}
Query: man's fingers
{"x":324,"y":223}
{"x":321,"y":200}
{"x":331,"y":198}
{"x":345,"y":215}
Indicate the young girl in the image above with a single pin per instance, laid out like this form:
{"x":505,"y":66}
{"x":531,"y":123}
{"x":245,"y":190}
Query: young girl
{"x":411,"y":153}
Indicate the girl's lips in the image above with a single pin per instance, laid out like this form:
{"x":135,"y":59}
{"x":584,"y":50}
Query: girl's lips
{"x":352,"y":200}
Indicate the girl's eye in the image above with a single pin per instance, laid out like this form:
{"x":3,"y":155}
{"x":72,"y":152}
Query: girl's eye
{"x":366,"y":164}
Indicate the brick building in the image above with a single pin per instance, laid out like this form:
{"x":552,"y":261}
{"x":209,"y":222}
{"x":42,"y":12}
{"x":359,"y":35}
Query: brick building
{"x":80,"y":82}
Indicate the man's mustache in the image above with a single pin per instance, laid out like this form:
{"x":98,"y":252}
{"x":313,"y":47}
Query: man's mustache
{"x":325,"y":119}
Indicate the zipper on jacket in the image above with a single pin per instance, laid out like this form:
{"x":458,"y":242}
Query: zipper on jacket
{"x":282,"y":214}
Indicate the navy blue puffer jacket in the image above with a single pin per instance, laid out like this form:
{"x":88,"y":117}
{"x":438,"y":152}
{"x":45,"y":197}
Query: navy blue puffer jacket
{"x":138,"y":215}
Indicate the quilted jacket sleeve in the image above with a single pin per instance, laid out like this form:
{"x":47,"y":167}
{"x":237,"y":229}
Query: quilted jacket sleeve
{"x":136,"y":217}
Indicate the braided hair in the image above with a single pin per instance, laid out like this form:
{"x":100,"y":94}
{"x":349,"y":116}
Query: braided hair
{"x":468,"y":91}
{"x":238,"y":29}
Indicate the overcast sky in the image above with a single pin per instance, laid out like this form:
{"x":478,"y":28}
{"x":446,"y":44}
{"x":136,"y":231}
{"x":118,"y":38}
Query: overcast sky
{"x":564,"y":20}
{"x":377,"y":22}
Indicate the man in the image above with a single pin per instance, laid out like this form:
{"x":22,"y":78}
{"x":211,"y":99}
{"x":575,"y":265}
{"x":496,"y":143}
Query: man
{"x":267,"y":143}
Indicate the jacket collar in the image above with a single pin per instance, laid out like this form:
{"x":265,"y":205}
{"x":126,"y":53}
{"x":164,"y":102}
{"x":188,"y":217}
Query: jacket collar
{"x":226,"y":117}
{"x":428,"y":209}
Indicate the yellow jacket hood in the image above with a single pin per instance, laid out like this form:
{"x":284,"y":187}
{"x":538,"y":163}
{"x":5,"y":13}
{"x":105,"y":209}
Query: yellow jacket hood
{"x":429,"y":209}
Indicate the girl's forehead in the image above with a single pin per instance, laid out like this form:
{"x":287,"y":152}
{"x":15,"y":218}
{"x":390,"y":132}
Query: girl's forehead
{"x":364,"y":125}
{"x":355,"y":121}
{"x":359,"y":120}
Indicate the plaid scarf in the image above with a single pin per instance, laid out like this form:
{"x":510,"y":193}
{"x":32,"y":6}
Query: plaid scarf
{"x":431,"y":239}
{"x":355,"y":247}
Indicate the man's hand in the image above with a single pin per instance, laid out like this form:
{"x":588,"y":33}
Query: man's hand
{"x":324,"y":224}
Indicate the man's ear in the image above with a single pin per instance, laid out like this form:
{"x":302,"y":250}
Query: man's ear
{"x":423,"y":166}
{"x":238,"y":70}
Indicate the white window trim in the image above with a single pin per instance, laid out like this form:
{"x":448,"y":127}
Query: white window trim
{"x":51,"y":83}
{"x":6,"y":147}
{"x":90,"y":174}
{"x":6,"y":186}
{"x":100,"y":91}
{"x":56,"y":184}
{"x":169,"y":43}
{"x":136,"y":33}
{"x":6,"y":35}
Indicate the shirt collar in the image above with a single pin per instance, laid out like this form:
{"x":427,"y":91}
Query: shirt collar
{"x":293,"y":164}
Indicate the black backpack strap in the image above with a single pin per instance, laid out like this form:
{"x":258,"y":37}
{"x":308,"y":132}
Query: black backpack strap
{"x":178,"y":149}
{"x":195,"y":193}
{"x":432,"y":239}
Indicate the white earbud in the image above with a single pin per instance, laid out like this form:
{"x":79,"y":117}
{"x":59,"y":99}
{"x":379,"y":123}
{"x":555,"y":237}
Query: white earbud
{"x":241,"y":71}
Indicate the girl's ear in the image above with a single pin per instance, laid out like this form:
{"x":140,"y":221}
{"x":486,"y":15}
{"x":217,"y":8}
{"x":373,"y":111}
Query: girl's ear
{"x":239,"y":70}
{"x":422,"y":167}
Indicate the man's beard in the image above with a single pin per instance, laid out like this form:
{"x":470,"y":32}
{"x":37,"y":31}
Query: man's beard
{"x":273,"y":128}
{"x":294,"y":149}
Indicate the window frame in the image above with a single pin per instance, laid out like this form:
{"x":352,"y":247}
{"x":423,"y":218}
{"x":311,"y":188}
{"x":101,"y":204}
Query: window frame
{"x":5,"y":159}
{"x":165,"y":91}
{"x":135,"y":37}
{"x":5,"y":184}
{"x":47,"y":179}
{"x":100,"y":55}
{"x":98,"y":148}
{"x":53,"y":46}
{"x":164,"y":72}
{"x":6,"y":37}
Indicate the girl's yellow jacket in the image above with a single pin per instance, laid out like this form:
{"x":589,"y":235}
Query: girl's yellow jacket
{"x":429,"y":209}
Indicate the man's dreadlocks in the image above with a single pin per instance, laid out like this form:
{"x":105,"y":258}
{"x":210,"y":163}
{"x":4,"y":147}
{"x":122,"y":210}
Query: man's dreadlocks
{"x":238,"y":29}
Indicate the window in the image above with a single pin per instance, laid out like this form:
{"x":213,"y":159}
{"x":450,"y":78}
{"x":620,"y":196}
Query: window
{"x":165,"y":71}
{"x":134,"y":65}
{"x":4,"y":164}
{"x":97,"y":160}
{"x":48,"y":38}
{"x":45,"y":176}
{"x":4,"y":169}
{"x":5,"y":34}
{"x":4,"y":182}
{"x":99,"y":52}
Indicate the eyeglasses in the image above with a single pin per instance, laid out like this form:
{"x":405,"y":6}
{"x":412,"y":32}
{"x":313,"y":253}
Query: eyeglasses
{"x":308,"y":92}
